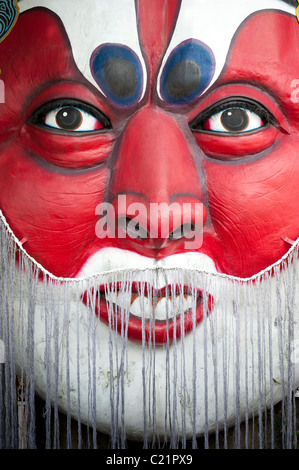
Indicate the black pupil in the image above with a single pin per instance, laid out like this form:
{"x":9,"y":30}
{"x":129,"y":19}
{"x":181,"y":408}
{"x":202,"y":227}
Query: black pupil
{"x":183,"y":79}
{"x":235,"y":120}
{"x":121,"y":77}
{"x":69,"y":118}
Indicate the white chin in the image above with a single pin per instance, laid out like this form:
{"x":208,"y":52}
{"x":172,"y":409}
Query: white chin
{"x":112,"y":259}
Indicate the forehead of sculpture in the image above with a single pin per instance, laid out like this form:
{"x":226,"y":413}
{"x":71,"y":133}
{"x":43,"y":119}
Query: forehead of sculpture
{"x":132,"y":40}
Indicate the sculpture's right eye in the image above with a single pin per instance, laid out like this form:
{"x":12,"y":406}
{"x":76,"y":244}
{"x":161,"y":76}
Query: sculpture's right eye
{"x":70,"y":116}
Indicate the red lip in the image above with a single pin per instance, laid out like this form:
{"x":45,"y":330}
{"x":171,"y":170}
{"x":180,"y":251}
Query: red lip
{"x":158,"y":332}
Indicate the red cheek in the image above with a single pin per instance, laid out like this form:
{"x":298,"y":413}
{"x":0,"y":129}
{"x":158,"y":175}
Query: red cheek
{"x":53,"y":210}
{"x":253,"y":206}
{"x":67,"y":151}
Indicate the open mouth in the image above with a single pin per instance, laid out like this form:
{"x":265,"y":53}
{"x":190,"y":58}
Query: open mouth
{"x":144,"y":313}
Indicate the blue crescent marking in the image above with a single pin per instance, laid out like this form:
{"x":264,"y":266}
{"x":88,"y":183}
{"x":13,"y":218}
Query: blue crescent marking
{"x":124,"y":86}
{"x":188,"y":52}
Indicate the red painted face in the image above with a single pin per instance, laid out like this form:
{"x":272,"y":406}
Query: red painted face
{"x":65,"y":147}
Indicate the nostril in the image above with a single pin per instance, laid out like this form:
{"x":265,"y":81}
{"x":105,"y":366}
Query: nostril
{"x":187,"y":230}
{"x":132,"y":228}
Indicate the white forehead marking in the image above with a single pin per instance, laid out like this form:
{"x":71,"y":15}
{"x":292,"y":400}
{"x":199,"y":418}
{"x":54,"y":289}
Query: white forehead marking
{"x":90,"y":23}
{"x":214,"y":22}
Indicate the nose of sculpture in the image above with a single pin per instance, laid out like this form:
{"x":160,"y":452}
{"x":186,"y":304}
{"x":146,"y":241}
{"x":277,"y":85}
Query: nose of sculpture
{"x":155,"y":175}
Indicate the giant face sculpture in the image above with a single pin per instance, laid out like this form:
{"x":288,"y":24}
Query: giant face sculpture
{"x":113,"y":109}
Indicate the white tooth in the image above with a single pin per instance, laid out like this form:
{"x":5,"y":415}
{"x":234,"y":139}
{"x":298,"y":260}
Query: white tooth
{"x":175,"y":307}
{"x":124,"y":300}
{"x":187,"y":303}
{"x":179,"y":304}
{"x":160,"y":310}
{"x":165,"y":309}
{"x":141,"y":304}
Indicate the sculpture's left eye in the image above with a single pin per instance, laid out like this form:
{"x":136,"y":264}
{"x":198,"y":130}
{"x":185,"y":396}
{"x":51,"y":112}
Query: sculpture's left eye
{"x":233,"y":120}
{"x":234,"y":117}
{"x":70,"y":116}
